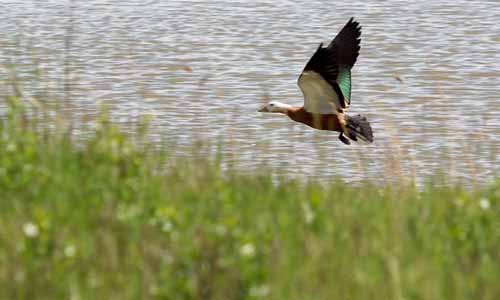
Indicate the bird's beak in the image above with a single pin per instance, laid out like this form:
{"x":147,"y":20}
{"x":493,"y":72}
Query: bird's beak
{"x":263,"y":109}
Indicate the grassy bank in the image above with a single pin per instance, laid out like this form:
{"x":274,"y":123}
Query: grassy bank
{"x":113,"y":218}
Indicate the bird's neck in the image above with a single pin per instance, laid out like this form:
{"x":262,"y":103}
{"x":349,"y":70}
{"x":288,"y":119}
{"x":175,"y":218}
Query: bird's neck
{"x":293,"y":110}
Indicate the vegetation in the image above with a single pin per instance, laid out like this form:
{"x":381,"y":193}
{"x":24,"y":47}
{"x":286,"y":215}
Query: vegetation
{"x":113,"y":217}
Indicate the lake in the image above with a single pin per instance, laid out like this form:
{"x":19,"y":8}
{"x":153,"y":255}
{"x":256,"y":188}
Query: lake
{"x":427,"y":78}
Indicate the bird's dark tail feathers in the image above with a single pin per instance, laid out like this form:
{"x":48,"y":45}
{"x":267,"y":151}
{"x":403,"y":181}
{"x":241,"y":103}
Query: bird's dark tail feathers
{"x":359,"y":127}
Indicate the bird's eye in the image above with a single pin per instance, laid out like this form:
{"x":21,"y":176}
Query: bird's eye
{"x":271,"y":104}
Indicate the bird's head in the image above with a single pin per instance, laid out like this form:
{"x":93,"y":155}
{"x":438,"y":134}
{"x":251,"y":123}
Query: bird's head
{"x":275,"y":107}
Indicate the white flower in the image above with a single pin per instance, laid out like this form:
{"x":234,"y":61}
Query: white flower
{"x":167,"y":259}
{"x":484,"y":203}
{"x":70,"y":250}
{"x":30,"y":230}
{"x":127,"y":212}
{"x":153,"y":289}
{"x":11,"y":147}
{"x":19,"y":276}
{"x":259,"y":291}
{"x":308,"y":213}
{"x":167,"y":226}
{"x":247,"y":250}
{"x":220,"y":230}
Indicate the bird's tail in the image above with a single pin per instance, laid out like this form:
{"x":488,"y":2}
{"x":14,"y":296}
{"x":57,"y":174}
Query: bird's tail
{"x":359,"y":127}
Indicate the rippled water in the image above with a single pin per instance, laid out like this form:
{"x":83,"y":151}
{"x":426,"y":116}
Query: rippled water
{"x":203,"y":68}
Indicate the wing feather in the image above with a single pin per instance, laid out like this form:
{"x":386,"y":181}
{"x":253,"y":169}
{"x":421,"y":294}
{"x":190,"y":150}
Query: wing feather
{"x":326,"y":78}
{"x":319,"y":96}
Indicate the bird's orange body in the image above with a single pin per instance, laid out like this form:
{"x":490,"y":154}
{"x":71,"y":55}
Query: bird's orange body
{"x":318,"y":121}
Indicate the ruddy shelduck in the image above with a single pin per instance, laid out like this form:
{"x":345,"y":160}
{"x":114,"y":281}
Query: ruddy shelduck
{"x":326,"y":85}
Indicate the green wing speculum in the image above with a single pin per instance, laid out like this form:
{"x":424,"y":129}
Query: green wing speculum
{"x":344,"y":82}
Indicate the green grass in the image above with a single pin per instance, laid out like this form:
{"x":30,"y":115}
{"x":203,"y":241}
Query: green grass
{"x":115,"y":218}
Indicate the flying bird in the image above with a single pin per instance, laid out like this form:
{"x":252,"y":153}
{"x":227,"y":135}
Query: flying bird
{"x":326,"y":85}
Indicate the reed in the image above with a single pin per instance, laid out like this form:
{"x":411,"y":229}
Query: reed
{"x":116,"y":217}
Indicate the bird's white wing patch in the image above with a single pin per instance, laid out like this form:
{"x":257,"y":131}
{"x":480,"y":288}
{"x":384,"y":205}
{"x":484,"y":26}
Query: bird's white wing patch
{"x":319,"y":96}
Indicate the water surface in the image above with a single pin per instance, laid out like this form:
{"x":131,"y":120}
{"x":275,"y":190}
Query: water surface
{"x":203,"y":68}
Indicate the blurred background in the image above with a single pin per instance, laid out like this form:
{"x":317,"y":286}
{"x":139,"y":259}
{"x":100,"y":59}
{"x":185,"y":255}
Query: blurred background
{"x":427,"y":78}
